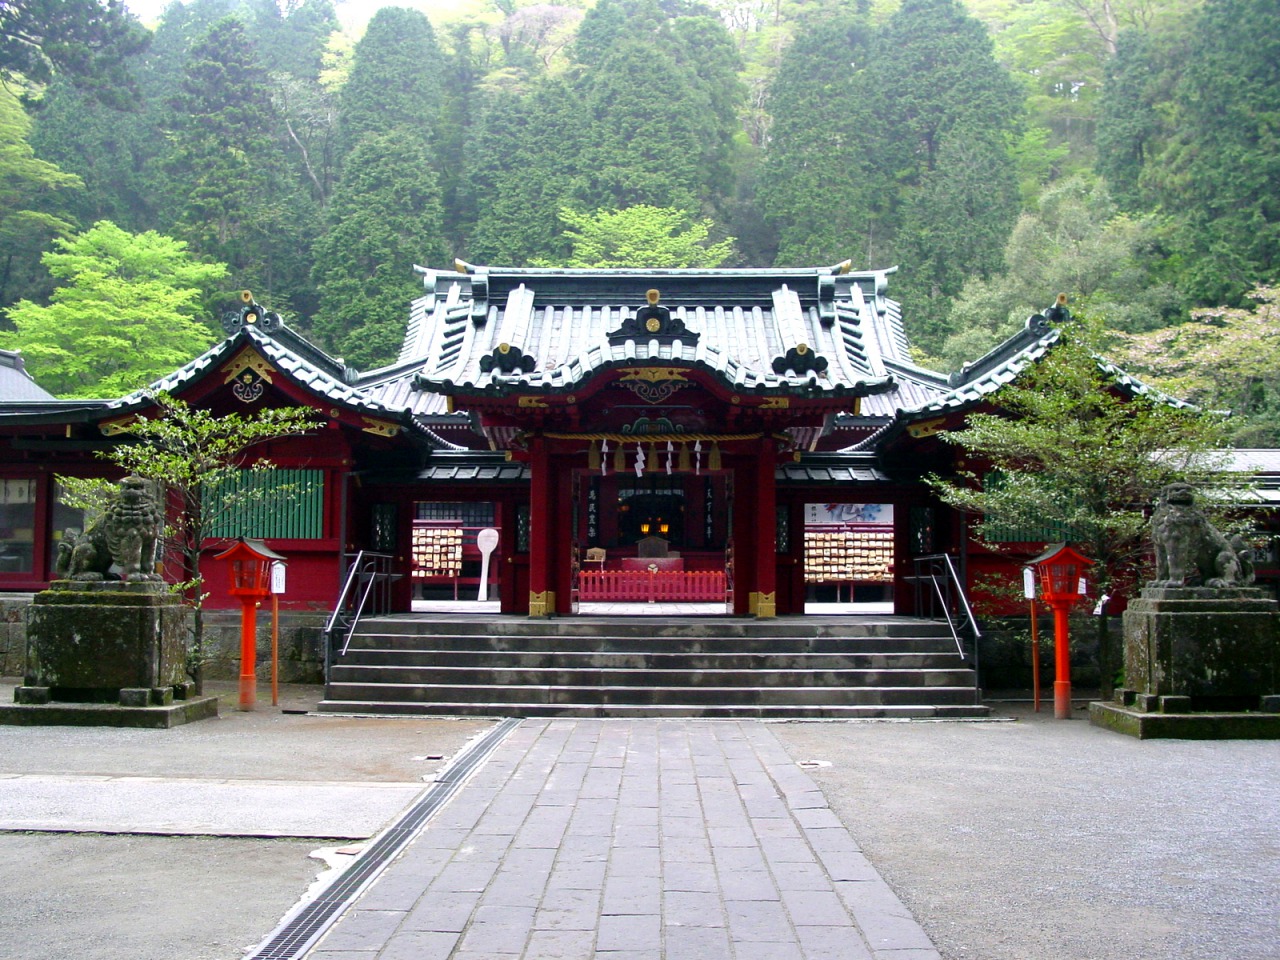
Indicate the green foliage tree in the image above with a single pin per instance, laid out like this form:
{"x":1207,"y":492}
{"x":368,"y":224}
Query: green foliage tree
{"x":1130,"y":127}
{"x":1223,"y":172}
{"x":297,"y":37}
{"x":395,"y":80}
{"x":194,"y":454}
{"x":818,"y":185}
{"x":124,"y":312}
{"x":886,"y":131}
{"x":1223,"y":357}
{"x":87,"y":41}
{"x":648,"y":128}
{"x":294,"y":33}
{"x":640,"y":236}
{"x":525,"y":167}
{"x":1049,"y":48}
{"x":611,"y":21}
{"x":935,"y":72}
{"x":937,"y":88}
{"x":704,"y":46}
{"x":235,"y":201}
{"x":385,"y":216}
{"x":25,"y":182}
{"x":1060,"y":51}
{"x":106,"y":148}
{"x":1075,"y":241}
{"x":661,"y":97}
{"x":116,"y":152}
{"x":1071,"y":449}
{"x":956,"y":224}
{"x":533,"y":38}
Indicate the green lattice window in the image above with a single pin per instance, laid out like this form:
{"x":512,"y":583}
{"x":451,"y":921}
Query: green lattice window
{"x":272,"y":503}
{"x":993,"y":531}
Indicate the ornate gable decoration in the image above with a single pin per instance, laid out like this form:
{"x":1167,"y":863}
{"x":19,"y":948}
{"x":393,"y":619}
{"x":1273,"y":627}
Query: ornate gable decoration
{"x":653,"y":384}
{"x":653,"y":322}
{"x":248,"y":373}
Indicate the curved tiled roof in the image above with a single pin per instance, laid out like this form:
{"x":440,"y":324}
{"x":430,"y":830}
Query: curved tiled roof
{"x":738,"y":325}
{"x":300,"y":360}
{"x":489,"y":331}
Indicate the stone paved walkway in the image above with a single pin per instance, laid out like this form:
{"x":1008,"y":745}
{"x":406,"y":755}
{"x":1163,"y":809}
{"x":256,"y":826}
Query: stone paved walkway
{"x":631,"y":840}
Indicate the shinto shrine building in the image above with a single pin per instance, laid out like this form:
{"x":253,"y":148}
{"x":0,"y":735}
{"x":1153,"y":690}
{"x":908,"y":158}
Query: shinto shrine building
{"x":751,"y":437}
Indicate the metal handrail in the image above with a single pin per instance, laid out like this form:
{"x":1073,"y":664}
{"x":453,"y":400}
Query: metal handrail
{"x":369,"y":577}
{"x":939,"y":570}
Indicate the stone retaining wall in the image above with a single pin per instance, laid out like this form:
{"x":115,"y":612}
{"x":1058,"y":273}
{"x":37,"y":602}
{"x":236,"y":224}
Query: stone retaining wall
{"x":1004,"y":653}
{"x":13,"y":634}
{"x":301,"y":645}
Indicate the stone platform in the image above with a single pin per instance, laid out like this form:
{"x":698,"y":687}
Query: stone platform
{"x":1203,"y":643}
{"x":107,"y":653}
{"x":108,"y":714}
{"x":1201,"y":663}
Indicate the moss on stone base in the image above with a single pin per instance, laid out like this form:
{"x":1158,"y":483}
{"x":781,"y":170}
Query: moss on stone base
{"x":1185,"y":726}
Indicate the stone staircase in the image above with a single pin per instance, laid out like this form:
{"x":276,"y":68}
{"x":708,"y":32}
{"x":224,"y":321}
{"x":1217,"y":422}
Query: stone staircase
{"x":797,"y":667}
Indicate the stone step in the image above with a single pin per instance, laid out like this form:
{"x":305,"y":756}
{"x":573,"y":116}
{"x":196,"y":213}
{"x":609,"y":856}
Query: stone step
{"x":561,"y":627}
{"x":641,"y":676}
{"x":612,"y":643}
{"x":438,"y":693}
{"x":650,"y":660}
{"x":374,"y":707}
{"x":653,"y":666}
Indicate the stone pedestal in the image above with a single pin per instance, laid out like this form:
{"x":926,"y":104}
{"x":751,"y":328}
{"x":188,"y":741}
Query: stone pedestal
{"x":106,"y":642}
{"x":1212,"y":645}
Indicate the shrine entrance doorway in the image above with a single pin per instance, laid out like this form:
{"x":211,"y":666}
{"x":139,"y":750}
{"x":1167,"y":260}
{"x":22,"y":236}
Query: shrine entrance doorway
{"x":653,"y":543}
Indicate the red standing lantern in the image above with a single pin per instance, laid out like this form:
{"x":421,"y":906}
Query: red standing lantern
{"x":1062,"y":582}
{"x":251,"y":562}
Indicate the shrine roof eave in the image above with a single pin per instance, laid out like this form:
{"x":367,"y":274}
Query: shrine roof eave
{"x":833,"y":469}
{"x":310,"y":372}
{"x":50,"y":412}
{"x":976,"y":386}
{"x":474,"y":467}
{"x":502,"y":386}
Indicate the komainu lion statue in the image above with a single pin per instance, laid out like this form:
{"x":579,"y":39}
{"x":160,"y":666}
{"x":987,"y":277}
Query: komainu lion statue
{"x":128,"y":535}
{"x":1190,"y":551}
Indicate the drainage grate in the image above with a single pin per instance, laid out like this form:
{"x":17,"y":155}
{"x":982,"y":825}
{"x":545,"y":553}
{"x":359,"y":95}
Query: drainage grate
{"x":298,"y":932}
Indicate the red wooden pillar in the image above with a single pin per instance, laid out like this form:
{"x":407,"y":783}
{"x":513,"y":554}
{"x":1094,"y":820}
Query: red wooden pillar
{"x":763,"y":601}
{"x":542,"y":500}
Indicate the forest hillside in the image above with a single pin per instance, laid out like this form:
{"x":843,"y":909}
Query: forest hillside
{"x":1125,"y":152}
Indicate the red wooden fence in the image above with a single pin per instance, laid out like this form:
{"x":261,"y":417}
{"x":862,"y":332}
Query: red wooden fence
{"x":652,"y":586}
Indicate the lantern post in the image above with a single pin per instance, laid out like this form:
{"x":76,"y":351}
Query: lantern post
{"x":251,"y":562}
{"x":1062,"y":583}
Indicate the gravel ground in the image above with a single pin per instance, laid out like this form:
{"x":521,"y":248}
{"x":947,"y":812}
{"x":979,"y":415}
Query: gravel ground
{"x":1054,"y":840}
{"x":118,"y":891}
{"x":96,"y":897}
{"x":1031,"y":839}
